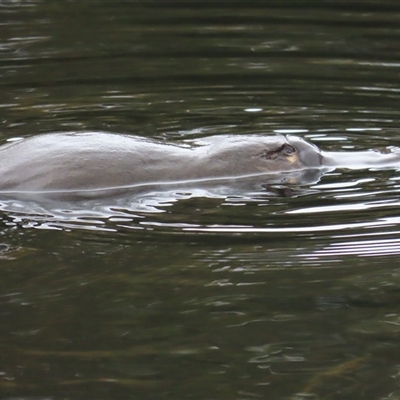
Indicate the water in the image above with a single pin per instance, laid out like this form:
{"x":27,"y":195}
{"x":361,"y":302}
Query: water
{"x":290,"y":293}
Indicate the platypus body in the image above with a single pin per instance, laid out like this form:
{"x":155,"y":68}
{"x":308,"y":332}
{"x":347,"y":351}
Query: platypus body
{"x":96,"y":163}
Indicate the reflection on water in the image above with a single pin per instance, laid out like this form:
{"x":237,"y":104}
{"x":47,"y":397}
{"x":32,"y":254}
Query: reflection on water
{"x":139,"y":204}
{"x":225,"y":292}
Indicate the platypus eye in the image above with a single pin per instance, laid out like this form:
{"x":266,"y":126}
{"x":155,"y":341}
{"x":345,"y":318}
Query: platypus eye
{"x":288,"y":150}
{"x":285,"y":149}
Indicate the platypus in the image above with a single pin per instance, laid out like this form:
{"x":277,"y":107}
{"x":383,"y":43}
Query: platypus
{"x":100,"y":162}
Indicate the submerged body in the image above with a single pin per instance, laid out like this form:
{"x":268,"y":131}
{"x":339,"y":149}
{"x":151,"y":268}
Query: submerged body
{"x":98,"y":161}
{"x":94,"y":164}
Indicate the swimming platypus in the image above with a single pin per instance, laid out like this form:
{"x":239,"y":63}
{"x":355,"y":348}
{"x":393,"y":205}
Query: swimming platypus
{"x":97,"y":162}
{"x":90,"y":161}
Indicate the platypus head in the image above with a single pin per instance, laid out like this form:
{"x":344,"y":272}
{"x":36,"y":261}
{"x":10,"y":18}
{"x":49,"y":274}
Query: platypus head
{"x":308,"y":154}
{"x":285,"y":153}
{"x":242,"y":155}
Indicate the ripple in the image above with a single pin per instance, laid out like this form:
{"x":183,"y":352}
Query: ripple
{"x":365,"y":248}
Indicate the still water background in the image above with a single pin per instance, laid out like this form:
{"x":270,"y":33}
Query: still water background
{"x":291,"y":295}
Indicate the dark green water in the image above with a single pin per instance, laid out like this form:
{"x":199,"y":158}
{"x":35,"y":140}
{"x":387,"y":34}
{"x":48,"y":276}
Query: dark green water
{"x":291,"y":296}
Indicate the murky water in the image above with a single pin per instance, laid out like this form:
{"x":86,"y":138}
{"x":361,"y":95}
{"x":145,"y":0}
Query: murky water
{"x":289,"y":293}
